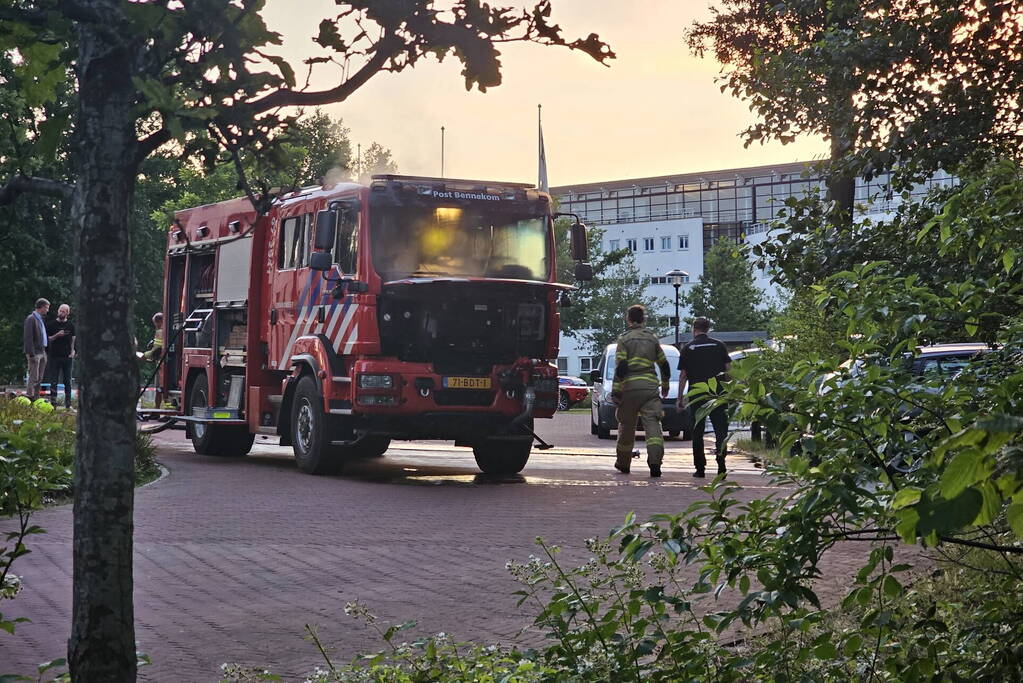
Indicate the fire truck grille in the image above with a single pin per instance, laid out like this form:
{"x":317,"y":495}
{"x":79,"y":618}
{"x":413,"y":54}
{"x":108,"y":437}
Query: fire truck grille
{"x":463,"y":397}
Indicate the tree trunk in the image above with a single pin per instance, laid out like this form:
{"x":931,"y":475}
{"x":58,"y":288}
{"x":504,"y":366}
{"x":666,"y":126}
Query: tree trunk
{"x":102,"y":645}
{"x":841,"y":184}
{"x":842,"y":128}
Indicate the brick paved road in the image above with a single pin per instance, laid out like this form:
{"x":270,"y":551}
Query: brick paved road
{"x":233,"y":557}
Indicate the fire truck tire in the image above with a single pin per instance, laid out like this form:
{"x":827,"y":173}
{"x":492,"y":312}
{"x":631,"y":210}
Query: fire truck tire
{"x":310,"y":433}
{"x":234,"y":441}
{"x":502,"y":457}
{"x":228,"y":441}
{"x":205,"y":438}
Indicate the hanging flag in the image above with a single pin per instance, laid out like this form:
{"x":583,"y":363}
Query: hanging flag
{"x":542,"y":172}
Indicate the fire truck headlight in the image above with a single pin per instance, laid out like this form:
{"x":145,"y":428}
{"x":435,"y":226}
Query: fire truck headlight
{"x":376,"y":382}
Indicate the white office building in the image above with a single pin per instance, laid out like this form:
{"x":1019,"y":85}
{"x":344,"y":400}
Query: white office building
{"x":670,"y":222}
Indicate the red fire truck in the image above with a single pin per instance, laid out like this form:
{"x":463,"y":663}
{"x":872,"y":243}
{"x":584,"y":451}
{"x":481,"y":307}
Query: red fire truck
{"x":350,"y":315}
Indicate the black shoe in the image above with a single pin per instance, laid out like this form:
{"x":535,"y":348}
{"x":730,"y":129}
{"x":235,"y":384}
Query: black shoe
{"x":624,"y":469}
{"x":722,"y":471}
{"x":655,"y":470}
{"x":698,"y":474}
{"x":635,"y":454}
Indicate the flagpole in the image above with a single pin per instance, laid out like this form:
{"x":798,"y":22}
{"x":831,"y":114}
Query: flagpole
{"x":541,"y":166}
{"x":442,"y":151}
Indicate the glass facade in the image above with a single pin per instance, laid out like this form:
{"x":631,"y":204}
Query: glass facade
{"x":744,"y":202}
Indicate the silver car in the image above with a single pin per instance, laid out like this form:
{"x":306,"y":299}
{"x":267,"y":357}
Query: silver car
{"x":602,"y":412}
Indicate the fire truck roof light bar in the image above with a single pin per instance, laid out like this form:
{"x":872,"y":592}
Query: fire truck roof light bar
{"x":451,"y":182}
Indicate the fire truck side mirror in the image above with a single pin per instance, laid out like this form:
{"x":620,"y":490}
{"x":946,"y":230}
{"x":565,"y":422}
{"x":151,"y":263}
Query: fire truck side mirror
{"x":326,"y":228}
{"x":583,"y":272}
{"x":321,"y":260}
{"x":580,"y":249}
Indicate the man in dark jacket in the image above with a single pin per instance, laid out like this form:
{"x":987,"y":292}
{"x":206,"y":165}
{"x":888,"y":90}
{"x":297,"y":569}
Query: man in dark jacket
{"x":705,"y":359}
{"x":35,"y":342}
{"x":60,"y":353}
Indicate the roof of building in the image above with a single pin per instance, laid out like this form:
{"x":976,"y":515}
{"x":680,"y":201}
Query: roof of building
{"x":682,"y":178}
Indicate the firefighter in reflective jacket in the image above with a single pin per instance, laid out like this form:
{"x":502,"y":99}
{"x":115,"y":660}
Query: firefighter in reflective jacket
{"x":635,"y":391}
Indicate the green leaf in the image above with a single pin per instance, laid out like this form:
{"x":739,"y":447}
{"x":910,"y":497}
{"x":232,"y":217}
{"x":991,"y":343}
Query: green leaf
{"x":1009,"y":259}
{"x":50,"y":133}
{"x":991,"y":506}
{"x":852,"y":645}
{"x":906,"y":497}
{"x":891,"y":587}
{"x":825,"y":651}
{"x":963,"y":471}
{"x":1015,"y":516}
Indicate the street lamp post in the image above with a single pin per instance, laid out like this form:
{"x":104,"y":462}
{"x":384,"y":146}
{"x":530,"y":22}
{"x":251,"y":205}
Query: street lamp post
{"x":677,"y":277}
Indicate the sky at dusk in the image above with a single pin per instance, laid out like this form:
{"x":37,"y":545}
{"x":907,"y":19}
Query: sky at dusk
{"x":655,"y":111}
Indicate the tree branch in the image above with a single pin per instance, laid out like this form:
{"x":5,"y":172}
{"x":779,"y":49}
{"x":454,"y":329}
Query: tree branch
{"x":387,"y":48}
{"x":23,"y":184}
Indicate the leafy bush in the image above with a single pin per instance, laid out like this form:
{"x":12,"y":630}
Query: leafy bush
{"x":37,"y":451}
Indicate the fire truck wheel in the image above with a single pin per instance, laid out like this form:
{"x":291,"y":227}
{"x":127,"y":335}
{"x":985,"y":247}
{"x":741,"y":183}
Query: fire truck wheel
{"x":230,"y":441}
{"x":502,"y":457}
{"x":310,"y":436}
{"x":205,"y":438}
{"x":234,"y":441}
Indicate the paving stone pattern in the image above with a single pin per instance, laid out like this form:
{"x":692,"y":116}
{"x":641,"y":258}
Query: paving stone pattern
{"x":235,"y":557}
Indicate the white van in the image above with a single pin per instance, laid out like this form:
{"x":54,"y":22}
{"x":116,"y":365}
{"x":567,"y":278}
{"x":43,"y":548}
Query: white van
{"x":602,"y":413}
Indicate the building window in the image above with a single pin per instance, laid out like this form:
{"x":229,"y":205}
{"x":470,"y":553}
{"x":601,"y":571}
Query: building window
{"x":659,"y":280}
{"x":648,"y":244}
{"x":585,"y":364}
{"x":562,"y":365}
{"x":683,"y":241}
{"x":630,"y":244}
{"x":665,"y":243}
{"x":613,"y":245}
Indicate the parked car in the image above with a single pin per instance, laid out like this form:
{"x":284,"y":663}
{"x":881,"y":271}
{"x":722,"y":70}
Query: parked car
{"x":602,"y":411}
{"x":571,"y":390}
{"x":931,"y":368}
{"x":757,"y":431}
{"x":928,"y":363}
{"x":943,"y":360}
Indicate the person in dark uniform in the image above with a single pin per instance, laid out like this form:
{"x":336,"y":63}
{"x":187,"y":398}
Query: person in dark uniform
{"x":60,"y":353}
{"x":702,"y":359}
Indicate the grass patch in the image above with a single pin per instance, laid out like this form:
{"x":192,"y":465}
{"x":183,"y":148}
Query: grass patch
{"x":757,"y":451}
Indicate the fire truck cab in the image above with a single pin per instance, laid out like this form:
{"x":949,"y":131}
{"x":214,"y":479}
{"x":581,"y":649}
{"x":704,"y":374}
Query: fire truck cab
{"x":350,"y":315}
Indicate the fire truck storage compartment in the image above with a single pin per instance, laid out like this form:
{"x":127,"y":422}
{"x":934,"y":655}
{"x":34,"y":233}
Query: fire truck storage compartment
{"x":200,"y":279}
{"x":233,"y":270}
{"x":462,"y":327}
{"x":231,"y":330}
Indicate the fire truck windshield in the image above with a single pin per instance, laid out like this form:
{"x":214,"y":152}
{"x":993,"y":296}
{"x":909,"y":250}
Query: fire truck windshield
{"x":451,"y":241}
